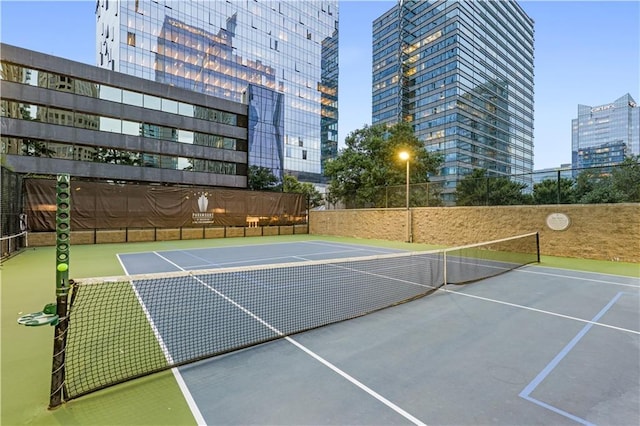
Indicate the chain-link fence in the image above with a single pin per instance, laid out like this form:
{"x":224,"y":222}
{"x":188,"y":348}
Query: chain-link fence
{"x":604,"y":184}
{"x":12,"y":218}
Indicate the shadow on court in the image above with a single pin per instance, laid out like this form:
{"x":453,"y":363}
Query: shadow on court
{"x":534,"y":346}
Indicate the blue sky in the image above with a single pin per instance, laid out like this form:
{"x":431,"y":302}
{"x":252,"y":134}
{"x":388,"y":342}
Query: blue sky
{"x":586,"y":52}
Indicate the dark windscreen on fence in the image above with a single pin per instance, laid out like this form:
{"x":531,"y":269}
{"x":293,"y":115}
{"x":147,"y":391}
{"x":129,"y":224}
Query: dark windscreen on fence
{"x":101,"y":205}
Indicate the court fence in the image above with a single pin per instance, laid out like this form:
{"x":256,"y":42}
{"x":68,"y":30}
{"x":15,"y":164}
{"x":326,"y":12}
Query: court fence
{"x":105,"y":212}
{"x":12,"y":219}
{"x":565,"y":185}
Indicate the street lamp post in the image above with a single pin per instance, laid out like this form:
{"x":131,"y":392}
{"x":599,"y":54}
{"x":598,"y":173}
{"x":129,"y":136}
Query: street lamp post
{"x":404,"y":155}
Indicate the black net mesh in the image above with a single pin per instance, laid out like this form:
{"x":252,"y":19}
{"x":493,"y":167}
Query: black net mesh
{"x":12,"y":224}
{"x":123,"y":328}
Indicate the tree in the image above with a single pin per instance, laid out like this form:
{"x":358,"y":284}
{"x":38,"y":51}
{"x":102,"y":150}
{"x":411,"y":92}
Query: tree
{"x":626,"y":179}
{"x":262,"y":179}
{"x":291,"y":184}
{"x":603,"y":191}
{"x":370,"y":162}
{"x":478,"y":189}
{"x":621,"y":185}
{"x":585,"y":183}
{"x":594,"y":187}
{"x":546,"y":192}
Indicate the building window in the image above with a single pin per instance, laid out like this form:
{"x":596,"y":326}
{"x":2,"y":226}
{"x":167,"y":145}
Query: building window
{"x":131,"y":39}
{"x":304,"y":154}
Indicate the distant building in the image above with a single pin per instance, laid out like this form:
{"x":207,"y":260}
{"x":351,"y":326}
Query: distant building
{"x":461,"y":72}
{"x":60,"y":116}
{"x":279,"y":57}
{"x":603,"y":135}
{"x":564,"y":171}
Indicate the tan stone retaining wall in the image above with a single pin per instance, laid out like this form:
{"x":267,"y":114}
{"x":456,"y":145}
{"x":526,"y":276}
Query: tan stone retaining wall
{"x":595,"y":231}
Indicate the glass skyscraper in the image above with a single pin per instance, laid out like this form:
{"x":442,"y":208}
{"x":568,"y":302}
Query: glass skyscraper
{"x":461,"y":72}
{"x":280,"y":57}
{"x":603,"y":135}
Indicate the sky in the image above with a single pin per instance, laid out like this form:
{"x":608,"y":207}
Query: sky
{"x":586,"y":52}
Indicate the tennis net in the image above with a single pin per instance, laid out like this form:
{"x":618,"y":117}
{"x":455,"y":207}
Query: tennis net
{"x":12,"y":244}
{"x":126,"y":327}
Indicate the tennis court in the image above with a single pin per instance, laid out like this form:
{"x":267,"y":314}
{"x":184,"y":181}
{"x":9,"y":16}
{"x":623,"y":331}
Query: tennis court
{"x":534,"y":346}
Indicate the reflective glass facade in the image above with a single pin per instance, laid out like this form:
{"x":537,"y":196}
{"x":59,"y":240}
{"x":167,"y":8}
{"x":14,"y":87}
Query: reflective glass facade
{"x":43,"y":113}
{"x":603,"y":135}
{"x":221,"y":48}
{"x":266,"y":127}
{"x":462,"y":73}
{"x":61,"y":116}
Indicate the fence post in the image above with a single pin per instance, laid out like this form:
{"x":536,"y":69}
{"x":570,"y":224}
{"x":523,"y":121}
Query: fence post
{"x":558,"y":188}
{"x":486,"y":200}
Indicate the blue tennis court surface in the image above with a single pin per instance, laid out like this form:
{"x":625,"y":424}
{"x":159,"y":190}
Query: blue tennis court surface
{"x":224,"y":257}
{"x":534,"y":346}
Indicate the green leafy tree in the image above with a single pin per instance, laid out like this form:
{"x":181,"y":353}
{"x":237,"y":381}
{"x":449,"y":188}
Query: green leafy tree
{"x":546,"y":192}
{"x":585,"y":183}
{"x":478,"y":189}
{"x":262,"y":179}
{"x":370,"y":161}
{"x":621,"y":185}
{"x":594,"y":187}
{"x":626,"y":179}
{"x":603,"y":191}
{"x":291,"y":184}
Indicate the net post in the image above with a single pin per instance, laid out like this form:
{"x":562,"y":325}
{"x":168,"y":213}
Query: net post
{"x":538,"y":245}
{"x":63,"y":232}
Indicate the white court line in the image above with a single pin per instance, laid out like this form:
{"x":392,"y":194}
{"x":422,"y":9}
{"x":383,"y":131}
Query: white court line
{"x":195,"y":411}
{"x":317,"y":357}
{"x":223,"y":247}
{"x":264,"y":259}
{"x":364,"y":247}
{"x":124,"y":268}
{"x":515,"y":305}
{"x":526,"y":269}
{"x":188,"y":253}
{"x":542,"y":311}
{"x":382,"y":399}
{"x":368,"y":390}
{"x":168,"y":261}
{"x":194,"y":407}
{"x":581,"y":278}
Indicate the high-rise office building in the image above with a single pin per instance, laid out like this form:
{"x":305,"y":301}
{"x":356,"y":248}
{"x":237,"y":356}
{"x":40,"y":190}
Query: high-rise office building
{"x":280,"y":57}
{"x":60,"y":116}
{"x":461,"y":72}
{"x":603,"y":135}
